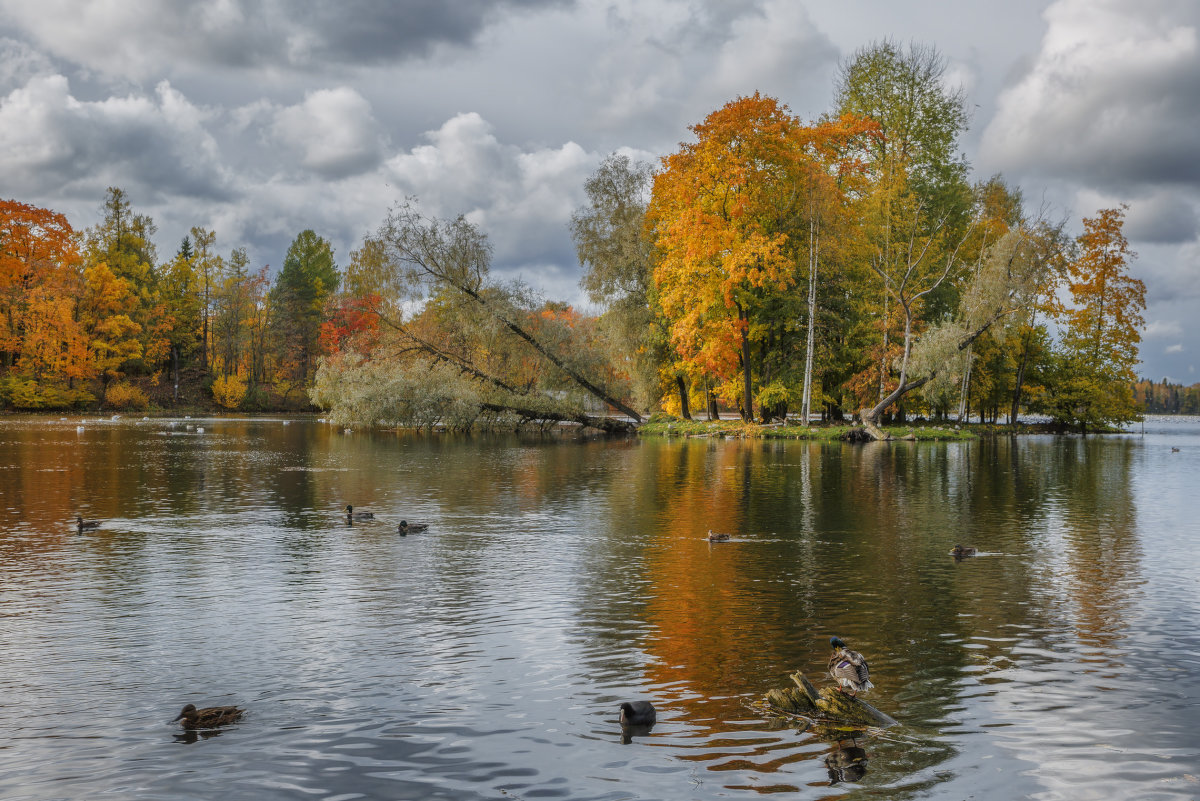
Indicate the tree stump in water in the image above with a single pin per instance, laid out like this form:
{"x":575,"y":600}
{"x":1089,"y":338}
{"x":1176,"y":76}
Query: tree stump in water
{"x":828,"y":706}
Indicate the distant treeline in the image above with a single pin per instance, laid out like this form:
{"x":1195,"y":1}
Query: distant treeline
{"x":1165,"y":398}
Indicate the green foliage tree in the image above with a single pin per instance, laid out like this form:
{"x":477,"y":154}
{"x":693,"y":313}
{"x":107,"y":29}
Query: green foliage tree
{"x":615,"y":250}
{"x":308,"y":278}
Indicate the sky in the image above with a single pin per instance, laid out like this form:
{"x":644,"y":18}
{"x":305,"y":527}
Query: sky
{"x":258,"y":119}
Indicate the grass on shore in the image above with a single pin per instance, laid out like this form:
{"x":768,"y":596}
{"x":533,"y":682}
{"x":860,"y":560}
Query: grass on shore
{"x":661,"y":425}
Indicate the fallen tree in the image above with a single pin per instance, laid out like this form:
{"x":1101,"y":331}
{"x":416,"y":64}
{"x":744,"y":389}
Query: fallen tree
{"x":830,"y":706}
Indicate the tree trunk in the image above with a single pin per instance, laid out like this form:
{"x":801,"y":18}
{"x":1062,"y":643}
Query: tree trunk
{"x":806,"y":402}
{"x":747,"y":383}
{"x":684,"y":410}
{"x":1020,"y":379}
{"x":828,"y":706}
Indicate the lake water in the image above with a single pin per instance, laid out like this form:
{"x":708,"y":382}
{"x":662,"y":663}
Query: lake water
{"x":485,"y":658}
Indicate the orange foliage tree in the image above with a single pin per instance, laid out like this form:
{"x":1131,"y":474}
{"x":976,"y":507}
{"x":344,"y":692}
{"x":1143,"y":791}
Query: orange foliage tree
{"x":39,"y":281}
{"x":719,"y":211}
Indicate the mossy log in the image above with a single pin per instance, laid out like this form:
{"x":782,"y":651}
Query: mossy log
{"x":828,"y":706}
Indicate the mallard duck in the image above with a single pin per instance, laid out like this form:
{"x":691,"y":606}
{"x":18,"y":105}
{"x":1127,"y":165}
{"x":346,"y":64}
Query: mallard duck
{"x":411,"y":528}
{"x":353,"y":515}
{"x":1174,"y":449}
{"x":714,"y":536}
{"x":209,"y":717}
{"x":848,"y":668}
{"x":86,"y":525}
{"x":638,"y":713}
{"x":958,"y":551}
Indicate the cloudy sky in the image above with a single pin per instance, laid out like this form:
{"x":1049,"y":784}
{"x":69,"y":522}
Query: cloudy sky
{"x":259,"y":118}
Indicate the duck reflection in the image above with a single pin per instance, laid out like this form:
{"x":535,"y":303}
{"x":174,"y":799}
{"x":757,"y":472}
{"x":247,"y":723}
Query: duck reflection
{"x":192,"y":735}
{"x":846,"y":763}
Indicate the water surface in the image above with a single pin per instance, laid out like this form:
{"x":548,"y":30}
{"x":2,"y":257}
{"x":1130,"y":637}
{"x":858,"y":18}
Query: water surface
{"x":485,"y":658}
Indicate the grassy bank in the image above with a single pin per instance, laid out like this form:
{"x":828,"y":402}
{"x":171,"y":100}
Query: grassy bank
{"x":667,"y":426}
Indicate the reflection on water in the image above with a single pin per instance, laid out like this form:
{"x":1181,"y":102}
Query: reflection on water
{"x":486,"y":656}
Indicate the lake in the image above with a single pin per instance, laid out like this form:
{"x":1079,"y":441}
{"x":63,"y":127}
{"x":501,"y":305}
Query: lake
{"x":485,"y":657}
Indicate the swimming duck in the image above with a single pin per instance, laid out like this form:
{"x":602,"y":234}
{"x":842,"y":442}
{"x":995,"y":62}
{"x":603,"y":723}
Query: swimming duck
{"x":638,"y":713}
{"x":353,"y":515}
{"x":209,"y":717}
{"x":848,"y":668}
{"x":714,"y":536}
{"x":958,"y":551}
{"x":411,"y":528}
{"x":86,"y":525}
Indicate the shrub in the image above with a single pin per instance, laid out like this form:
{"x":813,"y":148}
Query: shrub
{"x":229,"y":390}
{"x":124,"y":395}
{"x":26,"y":394}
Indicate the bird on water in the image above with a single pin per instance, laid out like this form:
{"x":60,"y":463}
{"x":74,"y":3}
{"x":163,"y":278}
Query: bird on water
{"x":208,"y":717}
{"x":637,"y":713}
{"x":86,"y":525}
{"x":715,"y":536}
{"x":411,"y":528}
{"x":848,"y":668}
{"x":353,"y":515}
{"x":959,"y":551}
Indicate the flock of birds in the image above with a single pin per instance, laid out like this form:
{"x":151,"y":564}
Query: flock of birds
{"x":847,"y":667}
{"x":404,"y":528}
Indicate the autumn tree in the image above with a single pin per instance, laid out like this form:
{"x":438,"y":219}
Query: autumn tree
{"x":920,"y":203}
{"x":123,"y":242}
{"x":719,"y":211}
{"x":1101,"y":329}
{"x":41,"y":341}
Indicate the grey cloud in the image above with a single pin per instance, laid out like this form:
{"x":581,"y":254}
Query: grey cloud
{"x":53,"y":144}
{"x":1112,"y":99}
{"x":1164,"y":218}
{"x":138,"y":37}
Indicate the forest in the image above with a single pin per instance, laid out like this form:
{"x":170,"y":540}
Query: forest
{"x":769,"y":267}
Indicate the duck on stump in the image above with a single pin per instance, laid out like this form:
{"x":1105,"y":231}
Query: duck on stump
{"x":848,"y":668}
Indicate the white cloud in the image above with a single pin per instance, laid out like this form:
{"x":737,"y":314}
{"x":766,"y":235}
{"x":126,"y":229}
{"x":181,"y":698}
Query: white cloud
{"x":1176,"y":348}
{"x":333,"y":131}
{"x":1163,"y":329}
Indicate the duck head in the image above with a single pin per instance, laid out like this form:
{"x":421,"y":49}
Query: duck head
{"x":836,"y":643}
{"x":188,"y":712}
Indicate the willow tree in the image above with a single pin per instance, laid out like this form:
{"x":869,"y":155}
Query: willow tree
{"x":1011,"y":277}
{"x":463,"y":347}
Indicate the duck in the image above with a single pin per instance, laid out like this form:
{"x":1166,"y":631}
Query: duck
{"x":86,"y":525}
{"x":848,"y":668}
{"x":638,"y":713}
{"x":407,"y":528}
{"x":209,"y":717}
{"x":958,"y":551}
{"x":714,"y":536}
{"x":1174,"y":449}
{"x":353,"y":515}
